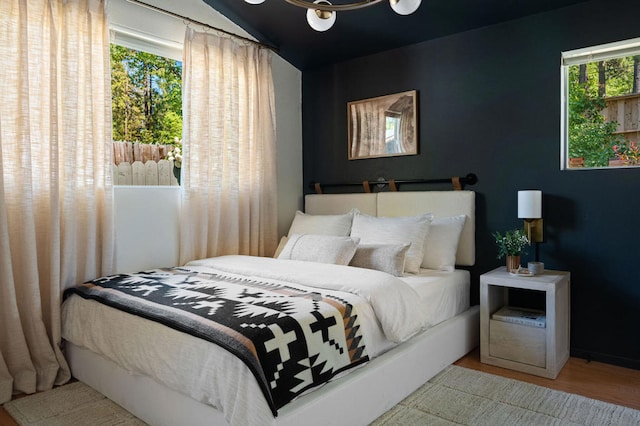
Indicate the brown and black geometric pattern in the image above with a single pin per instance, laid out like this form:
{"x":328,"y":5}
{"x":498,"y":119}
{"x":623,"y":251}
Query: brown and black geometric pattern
{"x":292,"y":337}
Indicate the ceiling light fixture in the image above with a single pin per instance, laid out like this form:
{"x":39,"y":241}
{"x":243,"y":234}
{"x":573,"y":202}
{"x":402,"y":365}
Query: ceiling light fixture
{"x":321,"y":14}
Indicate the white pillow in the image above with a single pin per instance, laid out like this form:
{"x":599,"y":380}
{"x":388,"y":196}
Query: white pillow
{"x":389,"y":258}
{"x":323,"y":224}
{"x":395,"y":230}
{"x":441,"y":245}
{"x":319,"y":248}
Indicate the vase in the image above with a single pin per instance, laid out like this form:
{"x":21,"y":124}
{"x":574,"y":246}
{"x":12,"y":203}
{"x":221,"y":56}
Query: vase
{"x":513,"y":263}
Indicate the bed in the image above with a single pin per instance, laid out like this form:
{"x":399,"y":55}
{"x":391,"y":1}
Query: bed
{"x":111,"y":350}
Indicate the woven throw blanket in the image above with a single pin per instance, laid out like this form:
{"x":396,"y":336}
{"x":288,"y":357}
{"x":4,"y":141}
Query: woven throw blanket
{"x":291,"y":337}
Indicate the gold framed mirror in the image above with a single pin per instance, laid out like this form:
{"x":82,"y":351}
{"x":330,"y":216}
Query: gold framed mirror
{"x":385,"y":126}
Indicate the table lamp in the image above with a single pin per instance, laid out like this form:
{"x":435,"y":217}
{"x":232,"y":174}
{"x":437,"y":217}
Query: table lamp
{"x":530,"y":209}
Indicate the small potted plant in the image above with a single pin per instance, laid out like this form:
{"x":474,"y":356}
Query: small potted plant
{"x":512,"y":244}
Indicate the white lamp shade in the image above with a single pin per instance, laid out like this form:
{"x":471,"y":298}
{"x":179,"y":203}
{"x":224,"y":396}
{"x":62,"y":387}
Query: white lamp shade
{"x":405,"y":7}
{"x":254,"y":1}
{"x":318,"y":23}
{"x":529,"y":204}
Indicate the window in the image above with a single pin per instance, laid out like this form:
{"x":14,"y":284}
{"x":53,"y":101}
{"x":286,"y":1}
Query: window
{"x":146,"y":89}
{"x":146,"y":92}
{"x":601,"y":106}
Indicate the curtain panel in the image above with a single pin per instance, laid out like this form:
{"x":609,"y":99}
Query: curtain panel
{"x":229,"y":198}
{"x":56,"y":226}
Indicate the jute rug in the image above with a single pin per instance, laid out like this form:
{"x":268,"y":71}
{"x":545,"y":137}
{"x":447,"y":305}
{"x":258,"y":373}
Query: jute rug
{"x":75,"y":404}
{"x":460,"y":396}
{"x":457,"y":396}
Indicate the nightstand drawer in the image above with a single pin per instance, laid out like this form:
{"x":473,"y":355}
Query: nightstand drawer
{"x":515,"y":342}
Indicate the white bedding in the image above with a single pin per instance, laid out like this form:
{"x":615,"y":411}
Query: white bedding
{"x":211,"y":375}
{"x":442,"y":294}
{"x":394,"y":304}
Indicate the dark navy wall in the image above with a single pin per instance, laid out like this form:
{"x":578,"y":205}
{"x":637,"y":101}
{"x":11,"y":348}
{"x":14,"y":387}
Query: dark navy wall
{"x":489,"y":103}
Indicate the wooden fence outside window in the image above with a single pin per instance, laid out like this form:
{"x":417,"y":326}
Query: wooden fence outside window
{"x":626,"y":111}
{"x":142,"y":164}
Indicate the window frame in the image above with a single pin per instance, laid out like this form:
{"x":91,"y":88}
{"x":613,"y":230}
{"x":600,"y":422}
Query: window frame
{"x":630,"y":47}
{"x":138,"y":40}
{"x":149,"y":43}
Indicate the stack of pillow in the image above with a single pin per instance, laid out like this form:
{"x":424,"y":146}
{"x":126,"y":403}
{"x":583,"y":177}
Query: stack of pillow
{"x":396,"y":245}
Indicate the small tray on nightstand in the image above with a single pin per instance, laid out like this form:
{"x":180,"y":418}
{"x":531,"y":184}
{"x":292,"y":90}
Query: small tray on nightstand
{"x":522,"y":272}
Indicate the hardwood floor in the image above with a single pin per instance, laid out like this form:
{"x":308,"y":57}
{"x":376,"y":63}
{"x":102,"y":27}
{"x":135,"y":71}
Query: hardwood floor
{"x":595,"y":380}
{"x":5,"y":418}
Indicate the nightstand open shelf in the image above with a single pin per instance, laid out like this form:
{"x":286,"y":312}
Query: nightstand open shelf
{"x":534,"y":349}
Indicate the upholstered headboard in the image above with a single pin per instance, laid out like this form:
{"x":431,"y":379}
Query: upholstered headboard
{"x":410,"y":203}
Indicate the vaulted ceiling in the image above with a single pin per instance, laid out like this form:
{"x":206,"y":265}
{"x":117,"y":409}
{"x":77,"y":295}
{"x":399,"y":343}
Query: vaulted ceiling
{"x":370,"y":30}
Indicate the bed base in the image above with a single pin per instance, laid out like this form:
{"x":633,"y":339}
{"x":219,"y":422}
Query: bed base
{"x":378,"y":386}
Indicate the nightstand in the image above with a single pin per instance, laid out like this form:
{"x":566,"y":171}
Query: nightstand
{"x":533,"y":349}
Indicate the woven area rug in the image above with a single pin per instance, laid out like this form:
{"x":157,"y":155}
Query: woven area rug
{"x":460,"y":396}
{"x":75,"y":404}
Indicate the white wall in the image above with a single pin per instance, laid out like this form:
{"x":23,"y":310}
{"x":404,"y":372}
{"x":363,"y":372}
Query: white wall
{"x":146,"y":222}
{"x":287,"y":82}
{"x":139,"y":216}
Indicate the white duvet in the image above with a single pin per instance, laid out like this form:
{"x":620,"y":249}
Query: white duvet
{"x":388,"y":309}
{"x":394,"y":303}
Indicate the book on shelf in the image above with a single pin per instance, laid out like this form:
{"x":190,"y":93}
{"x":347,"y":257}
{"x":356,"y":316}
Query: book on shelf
{"x":523,"y":316}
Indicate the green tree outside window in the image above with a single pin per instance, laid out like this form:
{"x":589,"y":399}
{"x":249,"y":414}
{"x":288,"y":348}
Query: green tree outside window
{"x":146,"y":96}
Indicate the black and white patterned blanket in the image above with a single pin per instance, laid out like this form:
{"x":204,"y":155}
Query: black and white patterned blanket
{"x":292,"y":338}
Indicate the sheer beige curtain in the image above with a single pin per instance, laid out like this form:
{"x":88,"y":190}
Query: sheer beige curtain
{"x":56,"y":227}
{"x":228,"y":177}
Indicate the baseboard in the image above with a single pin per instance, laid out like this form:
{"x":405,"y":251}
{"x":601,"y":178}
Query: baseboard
{"x":606,"y":358}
